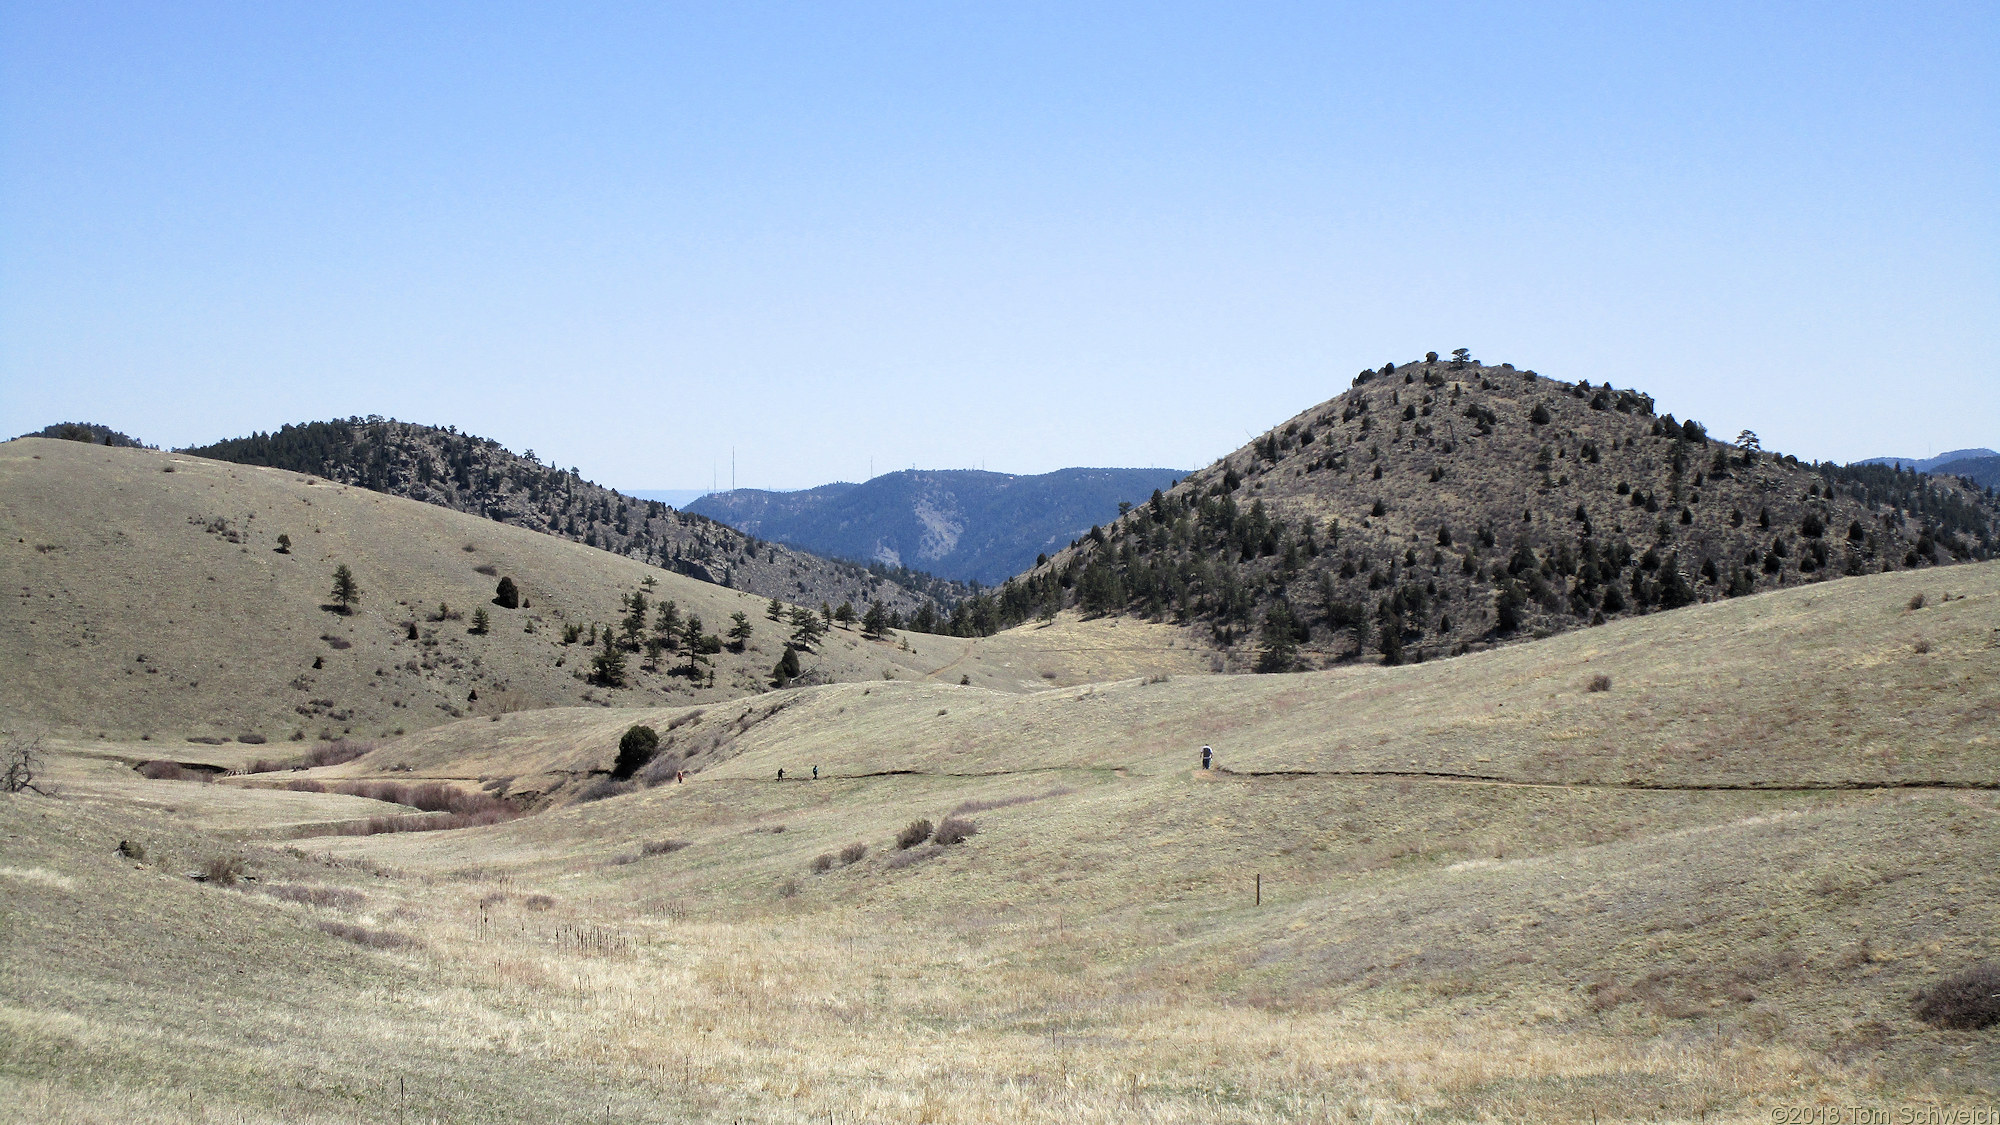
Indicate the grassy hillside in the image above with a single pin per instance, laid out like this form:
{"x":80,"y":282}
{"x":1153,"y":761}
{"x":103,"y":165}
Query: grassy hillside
{"x":1710,"y":890}
{"x":960,"y":523}
{"x":477,"y":475}
{"x":148,"y":600}
{"x":1438,"y":507}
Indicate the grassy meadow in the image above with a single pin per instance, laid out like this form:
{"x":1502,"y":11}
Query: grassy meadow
{"x":1470,"y":890}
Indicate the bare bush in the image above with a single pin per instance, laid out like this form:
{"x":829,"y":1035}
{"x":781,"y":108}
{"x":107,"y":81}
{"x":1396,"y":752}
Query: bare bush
{"x":954,"y":830}
{"x":914,"y":856}
{"x":822,"y":863}
{"x":160,"y":770}
{"x":24,"y":758}
{"x":1967,"y":1002}
{"x":538,"y":902}
{"x":600,"y":788}
{"x":373,"y":939}
{"x":852,"y":853}
{"x":330,"y":898}
{"x":1917,"y":602}
{"x":915,"y":833}
{"x":1600,"y":682}
{"x":1921,"y":645}
{"x":662,"y":847}
{"x":223,"y":870}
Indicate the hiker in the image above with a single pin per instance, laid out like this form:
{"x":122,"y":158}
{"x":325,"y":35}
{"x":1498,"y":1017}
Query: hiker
{"x":781,"y":773}
{"x":1207,"y":756}
{"x":815,"y":773}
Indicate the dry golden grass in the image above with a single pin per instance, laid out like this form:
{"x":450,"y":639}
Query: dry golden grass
{"x":133,"y":613}
{"x":1553,"y":945}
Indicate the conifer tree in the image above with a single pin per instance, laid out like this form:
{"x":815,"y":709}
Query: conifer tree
{"x":739,"y":631}
{"x":876,"y":622}
{"x":345,"y":590}
{"x":608,"y":666}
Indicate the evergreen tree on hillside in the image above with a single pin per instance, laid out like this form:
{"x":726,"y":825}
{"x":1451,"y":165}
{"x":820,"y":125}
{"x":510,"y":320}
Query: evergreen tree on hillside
{"x":346,"y":591}
{"x":608,"y":666}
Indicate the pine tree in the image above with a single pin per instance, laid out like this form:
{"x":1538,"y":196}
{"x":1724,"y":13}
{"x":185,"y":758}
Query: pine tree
{"x":844,"y":614}
{"x":345,"y":590}
{"x":739,"y":631}
{"x":608,"y":666}
{"x":507,"y":595}
{"x":876,"y":622}
{"x":787,"y":669}
{"x":480,"y":621}
{"x":775,"y":611}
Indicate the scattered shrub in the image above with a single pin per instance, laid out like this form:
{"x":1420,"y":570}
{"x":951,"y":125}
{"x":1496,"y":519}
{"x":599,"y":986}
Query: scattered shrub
{"x":852,"y":853}
{"x":1968,"y":1001}
{"x":170,"y":771}
{"x":507,"y":595}
{"x":331,"y":898}
{"x":662,"y":847}
{"x":1600,"y":682}
{"x":954,"y":830}
{"x":603,"y":787}
{"x":1921,"y":645}
{"x":488,"y":569}
{"x":372,"y":939}
{"x":132,"y":849}
{"x":916,"y":833}
{"x":538,"y":902}
{"x":223,"y":870}
{"x":822,"y":863}
{"x":904,"y":859}
{"x":251,"y":739}
{"x":1917,"y":602}
{"x":788,"y":889}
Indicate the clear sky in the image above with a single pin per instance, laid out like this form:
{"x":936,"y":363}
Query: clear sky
{"x":633,"y":237}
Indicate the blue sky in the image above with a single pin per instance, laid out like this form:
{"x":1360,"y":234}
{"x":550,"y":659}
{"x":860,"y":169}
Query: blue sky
{"x":636,"y":237}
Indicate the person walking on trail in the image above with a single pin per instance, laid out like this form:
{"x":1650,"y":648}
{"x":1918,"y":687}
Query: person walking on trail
{"x":781,"y":773}
{"x":815,"y":773}
{"x":1207,"y":756}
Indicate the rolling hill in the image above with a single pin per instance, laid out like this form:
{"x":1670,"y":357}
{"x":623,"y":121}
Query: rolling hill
{"x":1684,"y":867}
{"x":1441,"y":506}
{"x":149,"y":598}
{"x":479,"y":476}
{"x":965,"y":524}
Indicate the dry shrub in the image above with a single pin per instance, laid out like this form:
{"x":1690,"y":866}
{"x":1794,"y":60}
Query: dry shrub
{"x":662,"y":847}
{"x":602,"y":787}
{"x":434,"y":796}
{"x":1600,"y":682}
{"x":1921,"y":645}
{"x":968,"y":807}
{"x":373,"y":939}
{"x":330,"y":898}
{"x":788,"y":889}
{"x":306,"y":786}
{"x":954,"y":830}
{"x":679,"y":721}
{"x":1966,"y":1002}
{"x":852,"y":853}
{"x":252,"y":739}
{"x":170,"y":771}
{"x":337,"y":644}
{"x":822,"y":863}
{"x":325,"y":754}
{"x":906,"y":858}
{"x":1917,"y":602}
{"x":915,"y":833}
{"x":223,"y":870}
{"x":538,"y":902}
{"x":132,"y":849}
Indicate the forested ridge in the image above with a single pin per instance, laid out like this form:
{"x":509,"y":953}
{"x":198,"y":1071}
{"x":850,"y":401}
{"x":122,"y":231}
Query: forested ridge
{"x":478,"y":475}
{"x":1446,"y":505}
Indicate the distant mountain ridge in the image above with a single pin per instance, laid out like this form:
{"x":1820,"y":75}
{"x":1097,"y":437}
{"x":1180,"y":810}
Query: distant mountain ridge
{"x":1930,"y":464}
{"x":965,"y":524}
{"x":477,"y":475}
